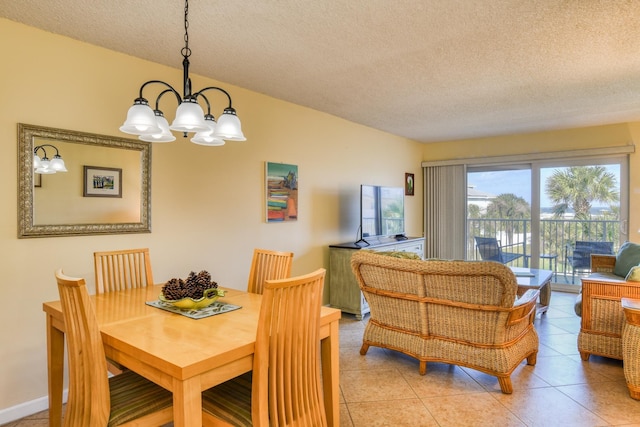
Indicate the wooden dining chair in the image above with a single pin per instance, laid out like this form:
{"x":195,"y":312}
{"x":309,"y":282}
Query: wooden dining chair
{"x":94,"y":399}
{"x":284,"y":388}
{"x":123,"y":269}
{"x":268,"y":265}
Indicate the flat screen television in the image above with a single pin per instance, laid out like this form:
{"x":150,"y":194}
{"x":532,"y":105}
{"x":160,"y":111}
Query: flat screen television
{"x":381,"y":212}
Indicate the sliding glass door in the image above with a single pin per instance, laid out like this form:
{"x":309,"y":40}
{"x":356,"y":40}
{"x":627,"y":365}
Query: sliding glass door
{"x":540,"y":211}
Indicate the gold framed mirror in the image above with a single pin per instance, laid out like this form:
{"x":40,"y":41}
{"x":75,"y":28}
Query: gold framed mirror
{"x":106,"y":188}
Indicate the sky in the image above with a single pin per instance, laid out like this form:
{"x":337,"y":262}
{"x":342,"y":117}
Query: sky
{"x":518,"y":182}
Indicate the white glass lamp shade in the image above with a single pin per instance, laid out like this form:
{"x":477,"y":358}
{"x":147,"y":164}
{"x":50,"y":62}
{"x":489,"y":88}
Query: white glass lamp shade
{"x":45,"y":171}
{"x":57,"y":164}
{"x":229,"y":126}
{"x":141,"y":119}
{"x":206,"y":137}
{"x":36,"y":161}
{"x":44,"y":167}
{"x":189,"y":117}
{"x":164,"y":135}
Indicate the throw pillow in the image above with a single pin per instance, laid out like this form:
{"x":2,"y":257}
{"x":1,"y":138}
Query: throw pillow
{"x":628,"y":256}
{"x":634,"y":274}
{"x":399,"y":254}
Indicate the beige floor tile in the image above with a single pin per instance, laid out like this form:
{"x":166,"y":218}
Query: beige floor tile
{"x":374,"y":385}
{"x":522,"y":378}
{"x":565,"y":370}
{"x":546,"y":351}
{"x":399,"y":413}
{"x":351,"y":338}
{"x":609,"y":400}
{"x":470,"y":410}
{"x":548,"y":327}
{"x":610,"y":368}
{"x":345,"y":417}
{"x":441,"y":379}
{"x":549,"y":407}
{"x":376,"y":358}
{"x":566,"y":344}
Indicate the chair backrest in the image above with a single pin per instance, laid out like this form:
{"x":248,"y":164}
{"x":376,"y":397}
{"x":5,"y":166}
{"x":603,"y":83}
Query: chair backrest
{"x":582,"y":251}
{"x":88,"y":401}
{"x":489,"y":248}
{"x":268,"y":265}
{"x":286,"y":387}
{"x":123,"y":269}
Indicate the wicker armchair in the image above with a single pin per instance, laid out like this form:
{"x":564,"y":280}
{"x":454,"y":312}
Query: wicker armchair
{"x":602,"y":315}
{"x":459,"y":312}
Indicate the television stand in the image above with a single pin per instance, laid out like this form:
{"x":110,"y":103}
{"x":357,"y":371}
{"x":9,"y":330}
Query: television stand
{"x":344,"y":292}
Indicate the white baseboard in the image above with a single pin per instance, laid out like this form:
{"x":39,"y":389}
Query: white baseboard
{"x":25,"y":409}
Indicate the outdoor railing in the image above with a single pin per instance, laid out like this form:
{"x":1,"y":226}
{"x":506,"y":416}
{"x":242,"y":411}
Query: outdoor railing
{"x":557,"y":236}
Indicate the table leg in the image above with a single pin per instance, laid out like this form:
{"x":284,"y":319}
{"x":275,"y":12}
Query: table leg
{"x":187,"y":403}
{"x":55,"y":371}
{"x":545,"y":297}
{"x":331,"y":374}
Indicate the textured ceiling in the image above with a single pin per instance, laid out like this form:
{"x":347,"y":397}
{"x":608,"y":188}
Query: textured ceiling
{"x":429,"y":70}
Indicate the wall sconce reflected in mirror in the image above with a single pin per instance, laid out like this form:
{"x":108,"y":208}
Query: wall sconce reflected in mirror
{"x":44,"y":165}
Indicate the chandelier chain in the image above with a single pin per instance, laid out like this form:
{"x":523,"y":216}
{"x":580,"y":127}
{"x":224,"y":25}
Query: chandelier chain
{"x":186,"y":52}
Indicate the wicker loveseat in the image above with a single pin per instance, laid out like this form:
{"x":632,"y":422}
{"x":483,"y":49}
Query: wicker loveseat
{"x":459,"y":312}
{"x":600,"y":307}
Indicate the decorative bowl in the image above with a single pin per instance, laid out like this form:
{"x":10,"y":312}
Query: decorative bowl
{"x":209,"y":297}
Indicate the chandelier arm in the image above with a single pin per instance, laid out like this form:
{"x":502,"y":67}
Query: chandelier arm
{"x":206,"y":100}
{"x":41,"y":147}
{"x":160,"y":96}
{"x":169,"y":89}
{"x":199,"y":93}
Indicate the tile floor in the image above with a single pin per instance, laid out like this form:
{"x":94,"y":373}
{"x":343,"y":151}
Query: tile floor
{"x":384,"y":388}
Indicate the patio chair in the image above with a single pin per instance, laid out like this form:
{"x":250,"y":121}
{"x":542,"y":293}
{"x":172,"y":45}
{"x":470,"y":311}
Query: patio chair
{"x":491,"y":250}
{"x":579,"y":255}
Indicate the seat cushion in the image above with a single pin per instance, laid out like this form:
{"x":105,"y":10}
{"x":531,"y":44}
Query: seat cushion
{"x":133,"y":396}
{"x":628,"y":256}
{"x":230,"y":401}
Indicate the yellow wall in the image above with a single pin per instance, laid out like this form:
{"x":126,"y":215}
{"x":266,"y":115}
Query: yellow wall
{"x":545,"y":142}
{"x":207,"y":202}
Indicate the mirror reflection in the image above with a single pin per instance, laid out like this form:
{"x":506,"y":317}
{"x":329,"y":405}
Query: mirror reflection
{"x":104,"y":190}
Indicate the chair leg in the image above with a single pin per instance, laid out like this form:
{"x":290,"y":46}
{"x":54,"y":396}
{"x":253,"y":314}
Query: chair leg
{"x":505,"y":385}
{"x":364,"y":349}
{"x":532,"y":359}
{"x":584,"y":356}
{"x":423,"y":367}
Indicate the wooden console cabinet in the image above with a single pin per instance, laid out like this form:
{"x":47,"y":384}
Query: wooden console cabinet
{"x":344,"y":292}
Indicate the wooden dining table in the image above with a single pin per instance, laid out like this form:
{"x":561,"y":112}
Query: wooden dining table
{"x":181,"y":354}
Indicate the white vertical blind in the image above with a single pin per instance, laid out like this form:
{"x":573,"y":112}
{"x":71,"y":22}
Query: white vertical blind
{"x":445,"y":211}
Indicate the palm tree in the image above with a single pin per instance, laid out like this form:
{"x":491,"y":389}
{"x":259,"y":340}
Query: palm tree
{"x":509,"y":206}
{"x":578,"y":187}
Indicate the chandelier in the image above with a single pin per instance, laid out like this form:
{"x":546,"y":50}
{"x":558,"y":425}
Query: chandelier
{"x":150,"y":124}
{"x":44,"y":165}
